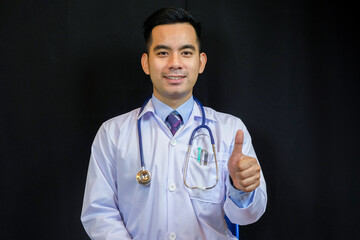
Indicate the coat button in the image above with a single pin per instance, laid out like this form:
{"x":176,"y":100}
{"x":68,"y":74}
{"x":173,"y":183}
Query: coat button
{"x":173,"y":142}
{"x":172,"y":236}
{"x":172,"y":187}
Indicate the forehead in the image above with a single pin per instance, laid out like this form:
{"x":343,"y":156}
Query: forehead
{"x":174,"y":35}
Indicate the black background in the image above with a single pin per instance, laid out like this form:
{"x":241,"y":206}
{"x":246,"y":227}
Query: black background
{"x":288,"y":69}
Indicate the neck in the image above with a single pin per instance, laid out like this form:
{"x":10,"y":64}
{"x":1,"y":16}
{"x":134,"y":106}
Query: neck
{"x":174,"y":103}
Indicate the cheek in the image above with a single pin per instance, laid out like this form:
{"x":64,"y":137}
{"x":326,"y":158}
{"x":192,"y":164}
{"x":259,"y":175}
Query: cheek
{"x":194,"y":69}
{"x":157,"y":66}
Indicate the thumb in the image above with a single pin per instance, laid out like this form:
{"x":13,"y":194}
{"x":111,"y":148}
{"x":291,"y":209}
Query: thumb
{"x":239,"y":140}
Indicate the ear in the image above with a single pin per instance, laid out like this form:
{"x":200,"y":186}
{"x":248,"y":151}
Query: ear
{"x":203,"y":60}
{"x":145,"y":63}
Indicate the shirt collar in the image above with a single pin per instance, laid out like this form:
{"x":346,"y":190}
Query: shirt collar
{"x":194,"y":111}
{"x":162,"y":110}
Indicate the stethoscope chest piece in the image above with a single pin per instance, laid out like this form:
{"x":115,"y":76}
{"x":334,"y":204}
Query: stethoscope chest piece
{"x":143,"y":177}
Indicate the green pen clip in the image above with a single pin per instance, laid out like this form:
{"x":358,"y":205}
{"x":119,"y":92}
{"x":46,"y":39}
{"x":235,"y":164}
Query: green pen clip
{"x":199,"y":155}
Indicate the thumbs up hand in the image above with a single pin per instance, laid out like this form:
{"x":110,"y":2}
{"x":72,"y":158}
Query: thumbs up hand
{"x":244,"y":170}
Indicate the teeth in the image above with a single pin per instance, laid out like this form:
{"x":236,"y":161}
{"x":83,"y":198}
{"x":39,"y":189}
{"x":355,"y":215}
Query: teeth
{"x":174,"y":78}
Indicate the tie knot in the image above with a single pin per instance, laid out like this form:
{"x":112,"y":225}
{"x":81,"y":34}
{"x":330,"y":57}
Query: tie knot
{"x":174,"y":121}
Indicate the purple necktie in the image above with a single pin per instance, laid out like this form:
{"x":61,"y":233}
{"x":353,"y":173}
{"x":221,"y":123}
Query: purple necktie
{"x":173,"y":121}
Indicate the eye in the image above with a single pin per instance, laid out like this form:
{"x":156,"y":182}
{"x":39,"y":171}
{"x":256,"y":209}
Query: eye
{"x":186,"y":53}
{"x":162,"y":53}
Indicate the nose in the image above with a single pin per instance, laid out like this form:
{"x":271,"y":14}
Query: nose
{"x":175,"y":62}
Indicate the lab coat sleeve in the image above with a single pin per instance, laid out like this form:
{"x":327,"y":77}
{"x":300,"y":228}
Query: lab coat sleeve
{"x":100,"y":214}
{"x":257,"y":205}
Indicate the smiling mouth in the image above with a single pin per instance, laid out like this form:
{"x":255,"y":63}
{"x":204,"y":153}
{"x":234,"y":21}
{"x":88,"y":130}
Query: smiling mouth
{"x":174,"y":78}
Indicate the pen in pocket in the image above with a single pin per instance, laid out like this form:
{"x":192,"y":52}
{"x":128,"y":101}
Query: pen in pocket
{"x":205,"y":158}
{"x":199,"y":156}
{"x":202,"y":156}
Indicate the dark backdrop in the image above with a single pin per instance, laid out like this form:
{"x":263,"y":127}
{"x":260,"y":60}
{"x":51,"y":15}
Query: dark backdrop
{"x":287,"y":68}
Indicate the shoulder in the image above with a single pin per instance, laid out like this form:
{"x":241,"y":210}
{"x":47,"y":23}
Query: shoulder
{"x":226,"y":126}
{"x":117,"y":127}
{"x":223,"y":118}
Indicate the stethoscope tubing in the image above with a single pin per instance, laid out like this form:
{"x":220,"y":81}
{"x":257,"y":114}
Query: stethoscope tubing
{"x":192,"y":135}
{"x":144,"y":176}
{"x":139,"y":135}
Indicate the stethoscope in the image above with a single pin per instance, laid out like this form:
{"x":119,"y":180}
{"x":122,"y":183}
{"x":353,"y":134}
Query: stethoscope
{"x":144,"y":176}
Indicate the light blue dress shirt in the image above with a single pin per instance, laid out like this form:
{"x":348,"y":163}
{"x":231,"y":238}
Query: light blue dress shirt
{"x":116,"y":206}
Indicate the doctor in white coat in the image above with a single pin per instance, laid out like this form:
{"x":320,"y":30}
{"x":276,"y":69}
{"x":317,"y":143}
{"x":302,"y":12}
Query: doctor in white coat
{"x":116,"y":206}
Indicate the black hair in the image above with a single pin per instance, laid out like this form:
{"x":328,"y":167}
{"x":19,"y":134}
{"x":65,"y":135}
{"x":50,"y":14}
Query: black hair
{"x":169,"y":15}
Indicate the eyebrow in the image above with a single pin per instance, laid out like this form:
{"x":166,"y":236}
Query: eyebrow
{"x":186,"y":46}
{"x":158,"y":47}
{"x":190,"y":46}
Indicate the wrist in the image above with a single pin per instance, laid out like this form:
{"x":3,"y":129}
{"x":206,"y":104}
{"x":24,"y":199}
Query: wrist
{"x":232,"y":183}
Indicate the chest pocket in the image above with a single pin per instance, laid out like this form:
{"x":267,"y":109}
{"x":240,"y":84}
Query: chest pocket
{"x":201,"y":172}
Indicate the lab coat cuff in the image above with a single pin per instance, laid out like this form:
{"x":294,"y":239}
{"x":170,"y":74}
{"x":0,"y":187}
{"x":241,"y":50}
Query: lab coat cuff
{"x":239,"y":198}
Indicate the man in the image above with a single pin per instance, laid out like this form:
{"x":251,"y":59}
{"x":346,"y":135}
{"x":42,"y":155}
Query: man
{"x":190,"y":191}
